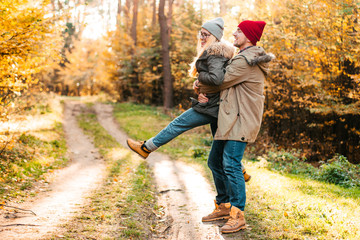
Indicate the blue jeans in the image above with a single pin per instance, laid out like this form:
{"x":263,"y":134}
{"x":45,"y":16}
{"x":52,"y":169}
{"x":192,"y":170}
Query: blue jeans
{"x":186,"y":121}
{"x":225,"y":163}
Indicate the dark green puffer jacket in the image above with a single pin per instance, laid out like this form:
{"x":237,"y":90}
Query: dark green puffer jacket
{"x":211,"y":68}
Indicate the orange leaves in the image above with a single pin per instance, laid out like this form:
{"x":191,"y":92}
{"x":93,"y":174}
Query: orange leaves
{"x":28,"y":41}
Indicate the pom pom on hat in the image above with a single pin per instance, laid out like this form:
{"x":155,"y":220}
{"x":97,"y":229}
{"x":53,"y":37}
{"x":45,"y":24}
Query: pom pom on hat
{"x":252,"y":30}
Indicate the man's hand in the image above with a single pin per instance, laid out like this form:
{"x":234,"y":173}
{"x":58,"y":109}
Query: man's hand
{"x":202,"y":98}
{"x":196,"y":86}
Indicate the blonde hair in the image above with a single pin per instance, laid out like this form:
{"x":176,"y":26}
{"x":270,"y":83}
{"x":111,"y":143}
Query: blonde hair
{"x":200,"y":50}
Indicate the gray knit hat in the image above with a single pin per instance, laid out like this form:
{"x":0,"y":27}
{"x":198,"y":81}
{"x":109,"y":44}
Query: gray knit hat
{"x":215,"y":27}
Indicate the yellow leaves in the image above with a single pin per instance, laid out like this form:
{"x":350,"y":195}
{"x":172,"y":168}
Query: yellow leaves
{"x":286,"y":214}
{"x":288,"y":44}
{"x":27,"y":43}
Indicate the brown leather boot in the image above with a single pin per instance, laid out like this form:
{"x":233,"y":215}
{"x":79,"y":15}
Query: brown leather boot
{"x":247,"y":177}
{"x":138,"y":147}
{"x":222,"y":211}
{"x":236,"y":221}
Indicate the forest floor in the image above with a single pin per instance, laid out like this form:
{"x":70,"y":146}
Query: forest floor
{"x":183,"y":193}
{"x":67,"y":191}
{"x":109,"y":192}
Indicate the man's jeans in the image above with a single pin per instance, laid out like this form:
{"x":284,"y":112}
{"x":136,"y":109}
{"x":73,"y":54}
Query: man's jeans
{"x":186,"y":121}
{"x":225,"y":163}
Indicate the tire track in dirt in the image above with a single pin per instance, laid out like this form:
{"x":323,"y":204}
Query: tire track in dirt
{"x":183,"y":191}
{"x":66,"y":193}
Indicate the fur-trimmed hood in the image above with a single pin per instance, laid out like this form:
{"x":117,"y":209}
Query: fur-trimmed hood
{"x":221,"y":49}
{"x":257,"y":56}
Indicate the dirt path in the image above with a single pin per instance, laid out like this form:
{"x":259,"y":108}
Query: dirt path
{"x":184,"y":192}
{"x":67,"y":192}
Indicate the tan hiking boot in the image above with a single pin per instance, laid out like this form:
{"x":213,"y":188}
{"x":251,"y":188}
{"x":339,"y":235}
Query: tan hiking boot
{"x":222,"y":211}
{"x":138,"y":147}
{"x":236,"y":221}
{"x":247,"y":177}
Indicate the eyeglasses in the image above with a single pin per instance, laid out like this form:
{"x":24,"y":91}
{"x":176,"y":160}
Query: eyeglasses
{"x":203,"y":35}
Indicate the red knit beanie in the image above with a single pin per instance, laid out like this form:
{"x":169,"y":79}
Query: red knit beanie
{"x":252,"y":29}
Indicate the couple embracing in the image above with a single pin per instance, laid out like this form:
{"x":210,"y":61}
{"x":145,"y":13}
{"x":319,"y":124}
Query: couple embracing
{"x":230,"y":99}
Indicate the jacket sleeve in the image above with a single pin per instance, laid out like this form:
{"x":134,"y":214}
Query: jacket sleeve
{"x":235,"y":73}
{"x":215,"y":75}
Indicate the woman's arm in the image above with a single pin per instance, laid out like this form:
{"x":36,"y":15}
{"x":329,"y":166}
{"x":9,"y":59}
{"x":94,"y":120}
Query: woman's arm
{"x":215,"y":75}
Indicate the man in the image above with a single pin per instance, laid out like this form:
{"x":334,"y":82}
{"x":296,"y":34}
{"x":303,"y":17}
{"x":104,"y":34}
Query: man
{"x":239,"y":120}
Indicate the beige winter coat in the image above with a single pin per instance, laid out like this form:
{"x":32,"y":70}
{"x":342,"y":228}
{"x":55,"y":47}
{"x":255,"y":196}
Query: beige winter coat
{"x":241,"y":98}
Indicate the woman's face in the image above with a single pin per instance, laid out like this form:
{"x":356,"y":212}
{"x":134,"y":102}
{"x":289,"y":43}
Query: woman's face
{"x":204,"y":36}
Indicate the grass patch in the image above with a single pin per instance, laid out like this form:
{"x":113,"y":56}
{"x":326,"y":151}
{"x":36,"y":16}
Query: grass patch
{"x":29,"y":160}
{"x":123,"y":207}
{"x":142,"y":122}
{"x":283,"y":202}
{"x":337,"y":170}
{"x":32,"y":145}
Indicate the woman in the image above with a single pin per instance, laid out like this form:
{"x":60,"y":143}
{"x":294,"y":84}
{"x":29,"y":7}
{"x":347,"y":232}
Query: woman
{"x":209,"y":67}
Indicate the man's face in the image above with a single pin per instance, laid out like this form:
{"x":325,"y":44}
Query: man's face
{"x":239,"y":38}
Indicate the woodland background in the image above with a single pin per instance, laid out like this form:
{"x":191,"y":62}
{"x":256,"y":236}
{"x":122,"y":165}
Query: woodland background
{"x":140,"y":51}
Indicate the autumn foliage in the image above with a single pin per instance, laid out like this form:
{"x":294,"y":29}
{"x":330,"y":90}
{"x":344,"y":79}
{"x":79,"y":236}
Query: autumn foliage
{"x":28,"y":38}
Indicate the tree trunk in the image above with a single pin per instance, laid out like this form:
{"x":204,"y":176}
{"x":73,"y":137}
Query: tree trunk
{"x":154,"y":14}
{"x":133,"y":34}
{"x":169,"y":18}
{"x":168,"y":86}
{"x":134,"y":22}
{"x":223,"y":8}
{"x":127,"y":14}
{"x":118,"y":14}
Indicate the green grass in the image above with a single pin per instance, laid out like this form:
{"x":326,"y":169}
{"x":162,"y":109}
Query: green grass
{"x":281,"y":204}
{"x":123,"y":208}
{"x":142,"y":122}
{"x":29,"y":159}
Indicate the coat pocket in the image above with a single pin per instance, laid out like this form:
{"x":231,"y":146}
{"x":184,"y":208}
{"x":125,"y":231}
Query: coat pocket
{"x":227,"y":102}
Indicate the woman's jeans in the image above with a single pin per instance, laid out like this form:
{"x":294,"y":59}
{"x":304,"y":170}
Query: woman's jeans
{"x":225,"y":163}
{"x":186,"y":121}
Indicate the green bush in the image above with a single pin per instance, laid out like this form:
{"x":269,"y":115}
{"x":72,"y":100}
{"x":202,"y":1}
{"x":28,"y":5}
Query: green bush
{"x":340,"y":171}
{"x":200,"y":152}
{"x":337,"y":170}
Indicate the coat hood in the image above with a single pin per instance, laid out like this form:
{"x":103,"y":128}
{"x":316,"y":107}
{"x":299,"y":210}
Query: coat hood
{"x":257,"y":56}
{"x":221,"y":49}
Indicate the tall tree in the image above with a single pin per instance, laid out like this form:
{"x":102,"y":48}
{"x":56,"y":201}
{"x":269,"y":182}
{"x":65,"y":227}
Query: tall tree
{"x":169,"y":17}
{"x":223,"y":8}
{"x":153,"y":13}
{"x":165,"y":52}
{"x":127,"y":12}
{"x":134,"y":21}
{"x":118,"y":14}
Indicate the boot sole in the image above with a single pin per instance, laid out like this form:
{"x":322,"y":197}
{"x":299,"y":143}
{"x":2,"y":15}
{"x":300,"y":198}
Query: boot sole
{"x":234,"y":230}
{"x":136,"y":151}
{"x":215,"y":219}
